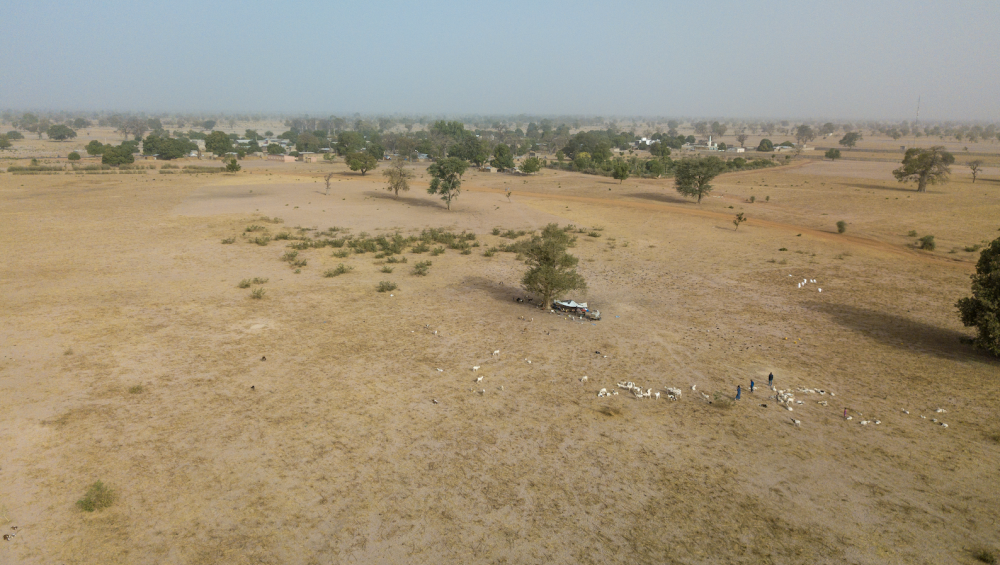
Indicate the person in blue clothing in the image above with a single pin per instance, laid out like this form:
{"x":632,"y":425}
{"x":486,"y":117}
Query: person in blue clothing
{"x":737,"y":392}
{"x":751,"y":385}
{"x":770,"y":381}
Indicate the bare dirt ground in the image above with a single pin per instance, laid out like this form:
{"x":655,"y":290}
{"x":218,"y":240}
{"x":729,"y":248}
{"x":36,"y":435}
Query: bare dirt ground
{"x":338,"y":452}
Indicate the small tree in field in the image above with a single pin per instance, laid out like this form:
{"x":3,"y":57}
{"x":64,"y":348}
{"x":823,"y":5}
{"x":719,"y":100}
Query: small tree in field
{"x":833,"y":154}
{"x":232,"y":166}
{"x":691,"y":176}
{"x":73,"y":156}
{"x":447,"y":179}
{"x":850,"y":139}
{"x":531,"y":165}
{"x":59,"y":132}
{"x":841,"y":226}
{"x":975,"y":166}
{"x":982,"y":310}
{"x":327,"y":179}
{"x":740,"y":218}
{"x":742,"y":139}
{"x":398,"y":177}
{"x":4,"y":142}
{"x":552,"y":271}
{"x":620,"y":170}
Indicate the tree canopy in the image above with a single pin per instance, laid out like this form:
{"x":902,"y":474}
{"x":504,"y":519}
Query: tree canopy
{"x":218,"y":142}
{"x":692,"y":176}
{"x":804,"y":133}
{"x":765,"y":145}
{"x":982,"y":310}
{"x":552,"y":271}
{"x":502,"y":157}
{"x":361,"y":161}
{"x":73,"y":156}
{"x":976,"y":167}
{"x":398,"y":177}
{"x":95,"y":147}
{"x":850,"y":139}
{"x":5,"y":142}
{"x":447,"y":179}
{"x":925,"y":166}
{"x":275,"y":149}
{"x":167,"y":148}
{"x":531,"y":165}
{"x":60,"y":132}
{"x":120,"y":155}
{"x":832,"y":154}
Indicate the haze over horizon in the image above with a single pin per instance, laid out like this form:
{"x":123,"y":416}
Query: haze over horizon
{"x":849,"y":60}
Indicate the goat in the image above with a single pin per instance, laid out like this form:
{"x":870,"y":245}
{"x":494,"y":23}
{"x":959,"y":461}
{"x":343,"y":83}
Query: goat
{"x":475,"y":368}
{"x":496,"y":353}
{"x":479,"y":380}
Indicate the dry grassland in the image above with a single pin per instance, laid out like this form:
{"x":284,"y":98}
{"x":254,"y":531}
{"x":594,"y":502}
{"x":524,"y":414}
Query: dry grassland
{"x":128,"y":355}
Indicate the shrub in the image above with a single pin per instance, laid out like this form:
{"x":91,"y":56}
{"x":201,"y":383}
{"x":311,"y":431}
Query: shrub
{"x":421,"y":268}
{"x":913,"y":233}
{"x":73,"y":156}
{"x":490,"y":252}
{"x":396,"y":260}
{"x":386,"y":286}
{"x":245,"y":283}
{"x":258,"y":280}
{"x":985,"y":556}
{"x":339,"y":270}
{"x":342,"y":254}
{"x":437,"y":251}
{"x":282,"y":235}
{"x":782,"y":249}
{"x":496,"y":231}
{"x":136,"y":389}
{"x":261,"y":240}
{"x":289,"y":256}
{"x":420,"y":248}
{"x":841,"y":226}
{"x":973,"y":248}
{"x":927,"y":242}
{"x":387,"y":269}
{"x":255,"y":227}
{"x":598,"y":234}
{"x":258,"y":293}
{"x":466,"y":252}
{"x":98,"y":496}
{"x":229,"y":240}
{"x":753,"y":199}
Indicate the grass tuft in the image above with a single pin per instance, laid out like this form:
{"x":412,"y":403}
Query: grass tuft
{"x":136,"y":389}
{"x":386,"y":286}
{"x":229,"y":240}
{"x":387,"y":269}
{"x":258,"y":293}
{"x":98,"y":496}
{"x":421,"y":268}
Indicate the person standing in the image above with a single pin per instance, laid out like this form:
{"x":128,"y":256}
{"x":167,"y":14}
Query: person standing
{"x":770,"y":381}
{"x":751,"y":385}
{"x":737,"y":392}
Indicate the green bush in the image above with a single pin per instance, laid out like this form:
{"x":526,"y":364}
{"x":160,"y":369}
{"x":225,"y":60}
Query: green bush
{"x":437,"y":251}
{"x":98,"y":496}
{"x":420,"y":248}
{"x":257,"y":293}
{"x":421,"y":268}
{"x":387,"y":269}
{"x":229,"y":240}
{"x":339,"y":270}
{"x":386,"y":286}
{"x":841,"y":226}
{"x":245,"y":283}
{"x":927,"y":242}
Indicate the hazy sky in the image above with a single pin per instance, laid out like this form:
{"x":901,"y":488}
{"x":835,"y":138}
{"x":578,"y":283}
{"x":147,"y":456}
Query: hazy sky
{"x":774,"y":58}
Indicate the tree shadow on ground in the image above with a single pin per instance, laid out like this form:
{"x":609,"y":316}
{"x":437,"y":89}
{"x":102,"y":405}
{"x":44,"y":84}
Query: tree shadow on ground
{"x":890,"y":188}
{"x":404,"y":199}
{"x":661,"y":197}
{"x":902,"y":332}
{"x":500,"y":291}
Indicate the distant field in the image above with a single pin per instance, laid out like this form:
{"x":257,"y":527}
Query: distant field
{"x":302,"y":427}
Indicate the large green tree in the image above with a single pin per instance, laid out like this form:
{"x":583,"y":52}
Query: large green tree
{"x":447,"y":179}
{"x":95,"y":147}
{"x":692,"y":176}
{"x":552,"y":271}
{"x":114,"y":156}
{"x":982,"y":310}
{"x":350,"y":142}
{"x":218,"y":142}
{"x":925,"y":166}
{"x":275,"y":149}
{"x":502,"y":157}
{"x":4,"y":142}
{"x":850,"y":139}
{"x":765,"y":145}
{"x":531,"y":165}
{"x":361,"y":161}
{"x":60,"y":132}
{"x":167,"y":148}
{"x":804,"y":133}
